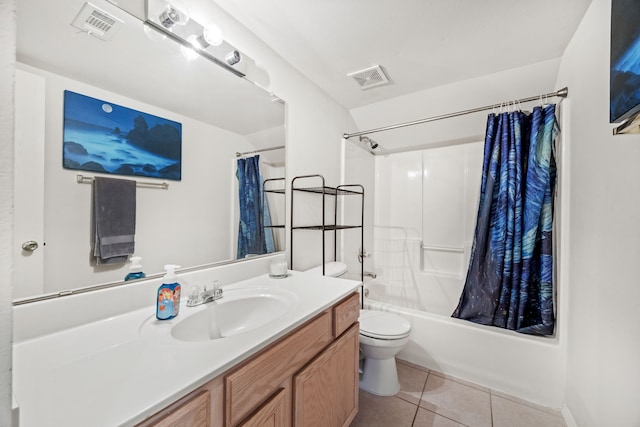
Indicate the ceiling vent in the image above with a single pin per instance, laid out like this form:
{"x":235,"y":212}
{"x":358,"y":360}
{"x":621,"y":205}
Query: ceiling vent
{"x":96,"y":22}
{"x":370,"y":77}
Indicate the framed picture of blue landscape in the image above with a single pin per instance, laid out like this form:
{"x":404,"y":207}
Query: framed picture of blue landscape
{"x":625,"y":60}
{"x":101,"y":136}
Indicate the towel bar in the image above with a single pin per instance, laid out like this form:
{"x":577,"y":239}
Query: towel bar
{"x":82,"y":179}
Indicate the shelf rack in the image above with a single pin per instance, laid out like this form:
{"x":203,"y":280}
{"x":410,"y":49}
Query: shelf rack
{"x":273,"y":190}
{"x":335,"y":193}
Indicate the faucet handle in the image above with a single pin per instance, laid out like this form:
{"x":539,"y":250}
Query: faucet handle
{"x":217,"y":287}
{"x":212,"y":287}
{"x":195,"y":295}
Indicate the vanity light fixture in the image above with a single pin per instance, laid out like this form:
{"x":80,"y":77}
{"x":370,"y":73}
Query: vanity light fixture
{"x":170,"y":18}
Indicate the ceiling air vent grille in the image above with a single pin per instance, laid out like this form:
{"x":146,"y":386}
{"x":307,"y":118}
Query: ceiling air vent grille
{"x":370,"y":77}
{"x":96,"y":22}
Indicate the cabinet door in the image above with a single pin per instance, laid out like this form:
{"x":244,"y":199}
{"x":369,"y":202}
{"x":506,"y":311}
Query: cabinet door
{"x":326,"y":390}
{"x":271,"y":414}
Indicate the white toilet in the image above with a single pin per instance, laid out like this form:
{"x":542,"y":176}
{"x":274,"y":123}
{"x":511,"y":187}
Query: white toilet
{"x":382,"y":336}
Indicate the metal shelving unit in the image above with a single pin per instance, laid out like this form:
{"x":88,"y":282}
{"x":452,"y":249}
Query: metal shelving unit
{"x":273,"y":190}
{"x":337,"y":194}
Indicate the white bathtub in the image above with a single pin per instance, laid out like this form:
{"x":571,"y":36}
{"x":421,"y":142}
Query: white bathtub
{"x":521,"y":365}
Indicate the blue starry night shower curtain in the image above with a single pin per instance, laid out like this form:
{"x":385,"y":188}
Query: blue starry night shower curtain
{"x":509,"y":282}
{"x":254,"y":216}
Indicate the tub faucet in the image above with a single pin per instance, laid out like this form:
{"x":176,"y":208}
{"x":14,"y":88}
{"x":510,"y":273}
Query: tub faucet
{"x":210,"y":293}
{"x":370,"y":274}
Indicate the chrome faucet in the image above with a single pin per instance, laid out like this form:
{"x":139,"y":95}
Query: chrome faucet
{"x":208,"y":294}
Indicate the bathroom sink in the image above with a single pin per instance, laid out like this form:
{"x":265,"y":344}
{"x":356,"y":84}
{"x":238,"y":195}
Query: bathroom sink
{"x":237,"y":312}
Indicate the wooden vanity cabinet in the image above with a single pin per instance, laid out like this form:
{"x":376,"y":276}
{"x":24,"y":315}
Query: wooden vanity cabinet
{"x":307,"y":378}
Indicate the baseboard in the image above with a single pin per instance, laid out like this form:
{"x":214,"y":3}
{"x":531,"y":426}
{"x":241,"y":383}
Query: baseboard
{"x":568,"y":417}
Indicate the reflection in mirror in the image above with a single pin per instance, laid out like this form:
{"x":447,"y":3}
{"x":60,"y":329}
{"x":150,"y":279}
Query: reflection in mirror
{"x":196,"y":220}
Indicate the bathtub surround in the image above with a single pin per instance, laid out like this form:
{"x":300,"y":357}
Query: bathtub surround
{"x":510,"y":278}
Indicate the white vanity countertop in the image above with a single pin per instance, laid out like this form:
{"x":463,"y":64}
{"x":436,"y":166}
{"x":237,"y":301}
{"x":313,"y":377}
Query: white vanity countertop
{"x":120,"y":370}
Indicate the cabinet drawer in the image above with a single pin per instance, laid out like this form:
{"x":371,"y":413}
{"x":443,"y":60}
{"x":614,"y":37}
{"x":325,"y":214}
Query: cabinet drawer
{"x":345,"y":314}
{"x":193,"y":411}
{"x":256,"y":380}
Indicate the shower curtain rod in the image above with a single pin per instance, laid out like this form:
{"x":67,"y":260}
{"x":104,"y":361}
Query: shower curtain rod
{"x":279,"y":147}
{"x":561,"y":93}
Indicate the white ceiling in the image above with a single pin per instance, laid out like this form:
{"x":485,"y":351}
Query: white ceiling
{"x":421,"y":44}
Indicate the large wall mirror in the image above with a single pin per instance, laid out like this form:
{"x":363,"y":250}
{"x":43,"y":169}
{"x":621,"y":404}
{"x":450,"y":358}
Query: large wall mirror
{"x":192,"y":223}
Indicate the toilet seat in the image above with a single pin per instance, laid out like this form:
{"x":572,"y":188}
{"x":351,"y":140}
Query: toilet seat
{"x":383,"y":325}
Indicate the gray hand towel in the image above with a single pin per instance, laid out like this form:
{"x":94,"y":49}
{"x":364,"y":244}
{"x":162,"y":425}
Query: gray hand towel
{"x":114,"y":219}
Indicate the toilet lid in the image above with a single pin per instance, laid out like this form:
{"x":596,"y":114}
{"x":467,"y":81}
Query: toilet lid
{"x":331,"y":269}
{"x":383,"y":325}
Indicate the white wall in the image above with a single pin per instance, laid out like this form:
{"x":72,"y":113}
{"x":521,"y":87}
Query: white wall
{"x":7,"y":57}
{"x":603,"y":373}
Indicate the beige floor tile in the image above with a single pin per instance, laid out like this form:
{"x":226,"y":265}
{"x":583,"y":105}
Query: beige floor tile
{"x":525,"y":402}
{"x":413,"y":365}
{"x":457,"y":401}
{"x":507,"y":413}
{"x":378,"y":411}
{"x":461,"y":381}
{"x":412,"y":382}
{"x":426,"y":418}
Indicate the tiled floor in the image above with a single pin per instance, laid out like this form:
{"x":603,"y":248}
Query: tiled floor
{"x":432,"y":399}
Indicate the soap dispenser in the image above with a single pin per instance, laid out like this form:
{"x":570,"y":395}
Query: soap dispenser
{"x":168,"y":302}
{"x":135,"y":271}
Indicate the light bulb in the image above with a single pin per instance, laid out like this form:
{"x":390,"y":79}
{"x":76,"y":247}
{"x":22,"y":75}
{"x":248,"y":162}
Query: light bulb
{"x":197,"y":42}
{"x":190,"y":52}
{"x":213,"y":35}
